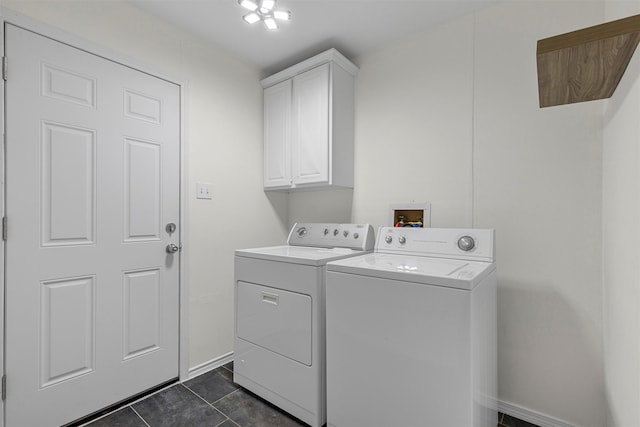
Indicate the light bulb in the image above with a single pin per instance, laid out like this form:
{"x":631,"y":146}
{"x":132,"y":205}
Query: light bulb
{"x":267,"y":4}
{"x":283,"y":15}
{"x":248,"y":4}
{"x":271,"y":23}
{"x":251,"y":18}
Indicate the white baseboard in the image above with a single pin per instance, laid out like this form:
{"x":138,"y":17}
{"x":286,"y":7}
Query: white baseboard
{"x":531,"y":416}
{"x":210,"y":365}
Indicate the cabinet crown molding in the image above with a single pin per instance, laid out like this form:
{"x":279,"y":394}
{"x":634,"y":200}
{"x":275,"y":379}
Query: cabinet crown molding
{"x":331,"y":55}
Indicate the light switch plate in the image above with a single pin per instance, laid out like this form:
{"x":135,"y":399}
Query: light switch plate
{"x":203,"y":190}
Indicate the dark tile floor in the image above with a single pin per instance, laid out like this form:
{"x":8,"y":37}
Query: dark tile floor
{"x":505,"y":420}
{"x":213,"y":400}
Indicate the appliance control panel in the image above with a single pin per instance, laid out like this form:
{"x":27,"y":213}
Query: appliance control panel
{"x":323,"y":235}
{"x":459,"y":243}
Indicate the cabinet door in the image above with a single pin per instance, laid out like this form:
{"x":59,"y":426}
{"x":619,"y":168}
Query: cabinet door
{"x":277,"y":135}
{"x":311,"y":126}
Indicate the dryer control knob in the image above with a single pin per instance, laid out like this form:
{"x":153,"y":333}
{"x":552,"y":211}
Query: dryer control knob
{"x":466,"y":243}
{"x":302,"y":231}
{"x":388,"y":239}
{"x":402,"y":240}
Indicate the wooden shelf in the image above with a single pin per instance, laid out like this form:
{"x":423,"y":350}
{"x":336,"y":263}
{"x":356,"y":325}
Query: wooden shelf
{"x":587,"y":64}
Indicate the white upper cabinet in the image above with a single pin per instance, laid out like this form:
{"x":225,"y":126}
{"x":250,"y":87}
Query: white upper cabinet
{"x":308,"y":124}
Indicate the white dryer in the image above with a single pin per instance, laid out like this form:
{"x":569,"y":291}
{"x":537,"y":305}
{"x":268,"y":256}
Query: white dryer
{"x":411,"y":331}
{"x":279,"y":343}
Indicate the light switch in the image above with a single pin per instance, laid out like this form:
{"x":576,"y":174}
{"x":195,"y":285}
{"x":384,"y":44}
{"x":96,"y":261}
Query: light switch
{"x":203,"y":190}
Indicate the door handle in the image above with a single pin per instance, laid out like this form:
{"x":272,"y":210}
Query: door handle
{"x":171,"y":248}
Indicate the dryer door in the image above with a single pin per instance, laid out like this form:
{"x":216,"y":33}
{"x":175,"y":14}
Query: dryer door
{"x":275,"y":319}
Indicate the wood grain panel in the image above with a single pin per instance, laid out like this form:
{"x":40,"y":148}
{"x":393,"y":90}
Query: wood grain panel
{"x":585,"y":65}
{"x":590,"y":34}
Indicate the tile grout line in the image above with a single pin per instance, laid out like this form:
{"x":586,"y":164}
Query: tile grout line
{"x":136,"y":412}
{"x":211,"y":404}
{"x":226,"y":395}
{"x":230,"y":420}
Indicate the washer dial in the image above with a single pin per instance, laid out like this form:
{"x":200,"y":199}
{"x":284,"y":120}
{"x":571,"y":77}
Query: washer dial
{"x":466,"y":243}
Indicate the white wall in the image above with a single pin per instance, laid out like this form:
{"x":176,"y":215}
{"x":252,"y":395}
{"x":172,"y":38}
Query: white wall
{"x":224,"y":140}
{"x":451,"y":116}
{"x":621,"y":227}
{"x":538,"y":182}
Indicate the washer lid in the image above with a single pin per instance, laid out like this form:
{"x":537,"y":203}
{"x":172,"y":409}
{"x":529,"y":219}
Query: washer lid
{"x":452,"y":273}
{"x":298,"y":254}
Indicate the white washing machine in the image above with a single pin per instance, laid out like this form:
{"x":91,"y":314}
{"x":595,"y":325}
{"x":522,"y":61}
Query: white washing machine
{"x":411,"y":331}
{"x":279,"y":344}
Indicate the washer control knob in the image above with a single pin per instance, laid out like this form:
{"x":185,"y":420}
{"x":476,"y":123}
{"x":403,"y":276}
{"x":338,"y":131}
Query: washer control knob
{"x":335,"y":232}
{"x":466,"y":243}
{"x":302,"y":231}
{"x":402,"y":240}
{"x":326,"y":231}
{"x":356,"y":235}
{"x":345,"y":233}
{"x":388,"y":239}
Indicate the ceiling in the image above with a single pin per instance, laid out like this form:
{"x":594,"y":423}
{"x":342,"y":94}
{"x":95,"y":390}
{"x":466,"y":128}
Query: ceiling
{"x":354,"y":27}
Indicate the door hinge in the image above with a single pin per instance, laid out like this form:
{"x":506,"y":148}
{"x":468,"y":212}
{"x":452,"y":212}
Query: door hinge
{"x":4,"y":228}
{"x":4,"y":387}
{"x":4,"y":68}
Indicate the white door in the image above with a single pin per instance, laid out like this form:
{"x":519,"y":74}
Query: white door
{"x":92,"y":179}
{"x":311,"y":126}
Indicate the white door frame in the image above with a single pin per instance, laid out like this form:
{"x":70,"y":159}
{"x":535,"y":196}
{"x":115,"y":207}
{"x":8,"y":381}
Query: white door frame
{"x":9,"y":16}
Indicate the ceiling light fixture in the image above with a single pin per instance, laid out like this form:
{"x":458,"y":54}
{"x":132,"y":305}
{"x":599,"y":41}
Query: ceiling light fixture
{"x":264,"y":11}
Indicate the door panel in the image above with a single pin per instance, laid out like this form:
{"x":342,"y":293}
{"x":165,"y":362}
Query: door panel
{"x":143,"y":199}
{"x":67,"y":327}
{"x":311,"y":118}
{"x":142,"y":312}
{"x":92,"y":177}
{"x":68,"y":86}
{"x":277,"y":135}
{"x":68,"y":191}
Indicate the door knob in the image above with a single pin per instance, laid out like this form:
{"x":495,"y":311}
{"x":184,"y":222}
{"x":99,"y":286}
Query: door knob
{"x":171,"y":248}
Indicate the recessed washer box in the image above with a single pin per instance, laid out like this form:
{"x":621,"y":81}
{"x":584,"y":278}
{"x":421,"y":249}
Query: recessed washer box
{"x":410,"y":214}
